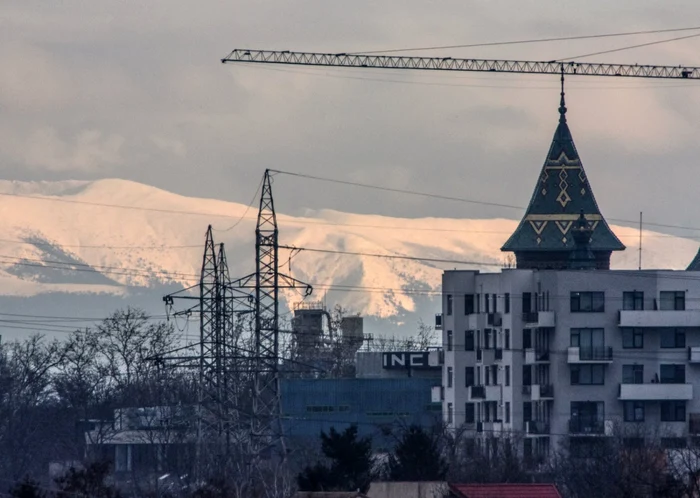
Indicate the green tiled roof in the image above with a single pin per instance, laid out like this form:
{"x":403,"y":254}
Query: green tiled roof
{"x":562,"y":193}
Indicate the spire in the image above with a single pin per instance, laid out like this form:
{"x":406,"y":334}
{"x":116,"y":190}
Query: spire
{"x":544,"y":238}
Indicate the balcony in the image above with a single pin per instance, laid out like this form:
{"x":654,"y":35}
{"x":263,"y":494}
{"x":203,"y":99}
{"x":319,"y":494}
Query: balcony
{"x":656,"y":392}
{"x":590,"y":355}
{"x":438,"y":321}
{"x":659,"y":318}
{"x":533,"y":356}
{"x":539,"y":319}
{"x":536,"y":428}
{"x":694,"y":354}
{"x":590,"y":427}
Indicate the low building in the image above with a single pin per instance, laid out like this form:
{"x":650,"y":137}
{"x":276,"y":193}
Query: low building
{"x":399,"y":364}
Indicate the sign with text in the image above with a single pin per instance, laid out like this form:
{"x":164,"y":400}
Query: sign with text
{"x":414,"y":360}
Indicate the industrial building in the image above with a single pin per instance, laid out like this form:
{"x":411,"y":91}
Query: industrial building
{"x":561,"y":347}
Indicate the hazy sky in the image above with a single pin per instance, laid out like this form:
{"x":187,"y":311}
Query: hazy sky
{"x":135,"y":90}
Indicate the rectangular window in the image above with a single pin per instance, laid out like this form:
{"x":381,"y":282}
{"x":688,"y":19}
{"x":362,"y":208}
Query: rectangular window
{"x":589,"y":302}
{"x":507,"y":414}
{"x":527,"y":338}
{"x":506,"y":303}
{"x":468,"y":376}
{"x":487,"y":308}
{"x":449,"y":413}
{"x":468,"y":304}
{"x":527,"y":302}
{"x":634,"y":411}
{"x":633,"y":300}
{"x":469,"y":340}
{"x":591,"y":342}
{"x":495,"y":303}
{"x":449,"y":340}
{"x":633,"y":374}
{"x":527,"y":375}
{"x":672,"y":300}
{"x":478,"y":303}
{"x":587,"y":416}
{"x":672,"y":338}
{"x":449,"y":376}
{"x":672,"y":411}
{"x":506,"y":339}
{"x":469,"y":415}
{"x":507,"y":375}
{"x":587,"y":375}
{"x":494,"y":374}
{"x":633,"y":338}
{"x":487,"y":376}
{"x":672,"y":374}
{"x":449,"y":304}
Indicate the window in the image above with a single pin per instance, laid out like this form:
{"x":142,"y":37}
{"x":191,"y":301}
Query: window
{"x":672,"y":300}
{"x":320,"y":408}
{"x":591,"y":342}
{"x":507,"y":414}
{"x":633,"y":338}
{"x":449,"y":340}
{"x":527,"y":302}
{"x":633,"y":300}
{"x":468,"y":304}
{"x":478,"y":303}
{"x":672,"y":338}
{"x":634,"y":411}
{"x":494,"y":374}
{"x":506,"y":339}
{"x":469,"y":415}
{"x":487,"y":376}
{"x":527,"y":411}
{"x":633,"y":374}
{"x":449,"y":304}
{"x":468,"y":376}
{"x":592,"y":302}
{"x":469,"y":340}
{"x":587,"y":416}
{"x":507,"y":375}
{"x":527,"y":375}
{"x":495,"y":303}
{"x":486,"y":304}
{"x":587,"y":375}
{"x":449,"y":413}
{"x":449,"y":376}
{"x":506,"y":303}
{"x":672,"y":374}
{"x":527,"y":338}
{"x":672,"y":411}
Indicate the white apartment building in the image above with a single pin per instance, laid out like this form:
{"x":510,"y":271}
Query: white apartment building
{"x":561,"y":346}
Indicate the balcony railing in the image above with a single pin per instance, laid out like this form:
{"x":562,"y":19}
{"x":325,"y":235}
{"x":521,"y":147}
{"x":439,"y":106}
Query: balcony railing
{"x":498,"y":355}
{"x":586,"y":426}
{"x":478,"y":392}
{"x":536,"y":427}
{"x":602,"y":354}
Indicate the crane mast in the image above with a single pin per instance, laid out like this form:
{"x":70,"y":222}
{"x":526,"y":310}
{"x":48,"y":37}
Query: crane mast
{"x":456,"y":64}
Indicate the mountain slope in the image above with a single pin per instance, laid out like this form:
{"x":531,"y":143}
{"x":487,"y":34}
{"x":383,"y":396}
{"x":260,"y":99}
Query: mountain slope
{"x":74,"y":244}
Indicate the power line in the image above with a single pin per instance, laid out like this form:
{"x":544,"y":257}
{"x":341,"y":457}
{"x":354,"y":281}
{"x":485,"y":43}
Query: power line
{"x":629,"y":47}
{"x":527,"y":41}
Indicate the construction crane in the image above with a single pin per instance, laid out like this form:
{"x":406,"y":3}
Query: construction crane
{"x":450,"y":64}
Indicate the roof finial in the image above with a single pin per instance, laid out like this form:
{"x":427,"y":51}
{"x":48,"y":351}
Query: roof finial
{"x":562,"y":104}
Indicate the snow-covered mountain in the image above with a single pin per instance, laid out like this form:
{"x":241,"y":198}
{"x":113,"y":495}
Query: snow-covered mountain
{"x":61,"y":239}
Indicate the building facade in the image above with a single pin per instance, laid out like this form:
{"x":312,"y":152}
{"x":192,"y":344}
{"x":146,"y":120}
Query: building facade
{"x":561,"y":348}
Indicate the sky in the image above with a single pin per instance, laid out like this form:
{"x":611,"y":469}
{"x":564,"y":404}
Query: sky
{"x":136,"y":90}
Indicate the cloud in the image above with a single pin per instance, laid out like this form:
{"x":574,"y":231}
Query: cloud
{"x":169,"y":145}
{"x":88,"y":150}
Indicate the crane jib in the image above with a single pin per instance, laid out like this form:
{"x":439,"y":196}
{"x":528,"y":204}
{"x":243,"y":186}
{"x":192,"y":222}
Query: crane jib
{"x":455,"y":64}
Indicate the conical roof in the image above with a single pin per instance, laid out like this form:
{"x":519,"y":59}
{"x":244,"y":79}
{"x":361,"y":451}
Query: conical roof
{"x":562,"y":193}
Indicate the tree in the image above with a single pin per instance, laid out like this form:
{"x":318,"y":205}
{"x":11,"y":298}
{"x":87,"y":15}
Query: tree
{"x":417,"y":457}
{"x":350,"y":467}
{"x":28,"y":488}
{"x":87,"y":483}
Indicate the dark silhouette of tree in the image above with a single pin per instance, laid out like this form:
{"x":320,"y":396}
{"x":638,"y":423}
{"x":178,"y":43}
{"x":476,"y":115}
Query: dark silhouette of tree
{"x":417,"y":457}
{"x":28,"y":488}
{"x":350,"y":463}
{"x":89,"y":482}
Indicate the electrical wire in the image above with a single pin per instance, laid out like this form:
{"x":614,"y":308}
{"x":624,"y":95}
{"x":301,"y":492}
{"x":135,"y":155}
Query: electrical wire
{"x":527,"y":41}
{"x":250,"y":205}
{"x":629,"y":47}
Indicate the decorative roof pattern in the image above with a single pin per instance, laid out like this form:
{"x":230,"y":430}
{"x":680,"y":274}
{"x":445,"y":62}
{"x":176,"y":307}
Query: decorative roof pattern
{"x":561,"y":194}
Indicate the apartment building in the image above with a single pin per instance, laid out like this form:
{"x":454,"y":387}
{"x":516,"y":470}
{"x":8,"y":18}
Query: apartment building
{"x":561,"y":346}
{"x":547,"y":354}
